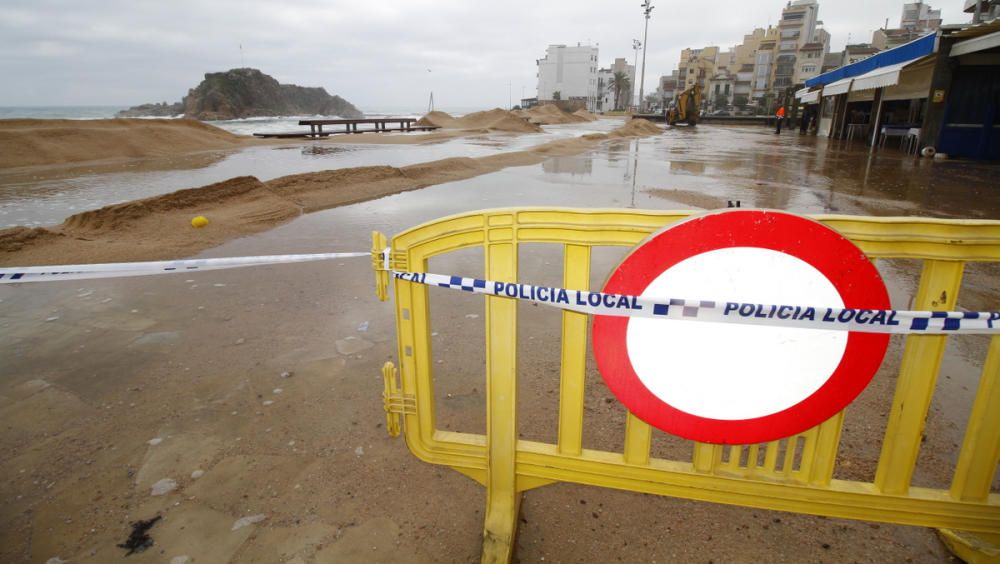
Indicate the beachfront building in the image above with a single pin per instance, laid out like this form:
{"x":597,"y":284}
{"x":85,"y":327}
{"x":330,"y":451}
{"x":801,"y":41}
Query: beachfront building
{"x":917,"y":20}
{"x":983,"y":10}
{"x":569,"y":73}
{"x":763,"y":69}
{"x":740,"y":61}
{"x":605,"y":85}
{"x":666,"y":88}
{"x":919,"y":16}
{"x":729,"y":72}
{"x":696,"y":66}
{"x":832,"y":61}
{"x":767,"y":67}
{"x":798,"y":39}
{"x":936,"y":92}
{"x":857,"y":52}
{"x":721,"y":87}
{"x":742,"y":86}
{"x":810,"y":61}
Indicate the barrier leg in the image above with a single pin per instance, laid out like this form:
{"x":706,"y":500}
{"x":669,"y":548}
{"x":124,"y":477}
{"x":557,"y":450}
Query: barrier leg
{"x":502,"y":498}
{"x":977,"y":463}
{"x":500,"y":531}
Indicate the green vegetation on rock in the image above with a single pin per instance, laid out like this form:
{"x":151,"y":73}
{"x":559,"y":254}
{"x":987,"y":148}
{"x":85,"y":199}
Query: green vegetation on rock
{"x":243,"y":93}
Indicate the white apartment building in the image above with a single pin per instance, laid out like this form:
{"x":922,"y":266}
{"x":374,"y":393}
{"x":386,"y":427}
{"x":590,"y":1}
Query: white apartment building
{"x":570,"y":71}
{"x":919,"y":16}
{"x":606,"y":94}
{"x":797,"y":28}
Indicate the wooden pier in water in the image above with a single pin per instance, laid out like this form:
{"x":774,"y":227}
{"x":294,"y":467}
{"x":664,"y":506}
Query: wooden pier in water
{"x":380,"y":125}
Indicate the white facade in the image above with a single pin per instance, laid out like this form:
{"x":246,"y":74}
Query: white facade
{"x":570,"y":71}
{"x":920,"y":16}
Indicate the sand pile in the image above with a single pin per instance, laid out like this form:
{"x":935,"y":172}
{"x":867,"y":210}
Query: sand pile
{"x":439,"y":119}
{"x":636,"y":128}
{"x":585,"y":115}
{"x":158,"y":228}
{"x":29,"y":142}
{"x":495,"y":119}
{"x":550,"y":114}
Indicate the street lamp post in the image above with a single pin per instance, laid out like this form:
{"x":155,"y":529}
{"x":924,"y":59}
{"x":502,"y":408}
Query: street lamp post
{"x":647,"y":8}
{"x":636,"y":45}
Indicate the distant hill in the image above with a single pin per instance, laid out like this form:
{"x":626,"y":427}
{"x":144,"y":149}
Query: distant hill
{"x":242,"y":93}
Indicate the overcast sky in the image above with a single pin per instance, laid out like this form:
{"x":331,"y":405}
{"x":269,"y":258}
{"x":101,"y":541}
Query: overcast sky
{"x":378,"y":54}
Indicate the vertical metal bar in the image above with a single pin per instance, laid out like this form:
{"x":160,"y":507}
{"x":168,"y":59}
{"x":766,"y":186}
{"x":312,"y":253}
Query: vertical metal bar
{"x":825,"y":454}
{"x":789,"y":461}
{"x":415,"y":354}
{"x":771,"y":455}
{"x":735,"y":454}
{"x":878,"y":117}
{"x":576,"y":276}
{"x":918,"y":373}
{"x":638,"y":438}
{"x":808,"y":453}
{"x":706,"y":457}
{"x":502,"y":499}
{"x":980,"y":454}
{"x":752,"y":455}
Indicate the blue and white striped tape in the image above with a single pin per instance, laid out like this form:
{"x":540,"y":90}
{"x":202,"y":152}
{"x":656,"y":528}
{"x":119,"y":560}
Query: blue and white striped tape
{"x":122,"y":269}
{"x":593,"y":303}
{"x":744,"y":313}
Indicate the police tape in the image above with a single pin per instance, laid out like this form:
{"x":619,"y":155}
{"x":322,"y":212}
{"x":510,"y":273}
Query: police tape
{"x":582,"y":301}
{"x":123,"y":269}
{"x":744,"y":313}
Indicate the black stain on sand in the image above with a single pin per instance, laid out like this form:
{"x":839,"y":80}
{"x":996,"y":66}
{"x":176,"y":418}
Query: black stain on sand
{"x":139,"y":540}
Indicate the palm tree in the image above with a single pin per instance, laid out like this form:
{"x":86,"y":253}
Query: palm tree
{"x":619,"y":83}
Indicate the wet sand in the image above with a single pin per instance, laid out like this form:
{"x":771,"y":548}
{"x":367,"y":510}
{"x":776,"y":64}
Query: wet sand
{"x":268,"y":383}
{"x":158,"y":228}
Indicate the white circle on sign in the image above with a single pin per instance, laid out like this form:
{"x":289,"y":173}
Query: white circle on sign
{"x":734,"y":372}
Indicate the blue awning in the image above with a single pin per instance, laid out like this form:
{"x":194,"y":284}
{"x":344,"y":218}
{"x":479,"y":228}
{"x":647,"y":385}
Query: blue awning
{"x":903,"y":54}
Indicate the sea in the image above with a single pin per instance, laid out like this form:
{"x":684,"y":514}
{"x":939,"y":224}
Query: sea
{"x":247,"y":126}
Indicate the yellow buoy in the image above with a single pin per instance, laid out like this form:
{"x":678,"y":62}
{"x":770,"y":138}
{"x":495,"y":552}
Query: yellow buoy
{"x":200,"y":221}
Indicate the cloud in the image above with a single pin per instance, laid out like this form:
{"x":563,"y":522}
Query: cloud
{"x":375,"y":54}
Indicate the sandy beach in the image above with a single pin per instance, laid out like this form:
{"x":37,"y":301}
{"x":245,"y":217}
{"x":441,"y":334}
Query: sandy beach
{"x":158,"y":228}
{"x":41,"y":146}
{"x":244,"y":408}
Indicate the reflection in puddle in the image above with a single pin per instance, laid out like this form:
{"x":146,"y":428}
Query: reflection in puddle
{"x":320,"y":150}
{"x":253,"y":391}
{"x":576,"y":165}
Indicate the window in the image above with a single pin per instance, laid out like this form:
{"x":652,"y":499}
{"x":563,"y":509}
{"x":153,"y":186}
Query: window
{"x":809,"y":68}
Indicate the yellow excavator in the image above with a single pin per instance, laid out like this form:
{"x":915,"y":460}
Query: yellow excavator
{"x":685,"y":108}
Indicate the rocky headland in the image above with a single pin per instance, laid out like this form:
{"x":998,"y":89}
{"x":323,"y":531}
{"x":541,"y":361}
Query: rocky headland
{"x":246,"y":92}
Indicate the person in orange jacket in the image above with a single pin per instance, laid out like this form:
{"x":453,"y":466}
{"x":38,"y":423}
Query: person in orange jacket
{"x":779,"y":117}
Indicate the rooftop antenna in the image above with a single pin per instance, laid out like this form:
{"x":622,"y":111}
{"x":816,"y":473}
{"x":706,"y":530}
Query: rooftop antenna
{"x":242,"y":64}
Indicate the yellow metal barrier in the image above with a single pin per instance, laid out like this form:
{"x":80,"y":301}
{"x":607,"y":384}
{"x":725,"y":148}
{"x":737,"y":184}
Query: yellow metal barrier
{"x":967,"y":514}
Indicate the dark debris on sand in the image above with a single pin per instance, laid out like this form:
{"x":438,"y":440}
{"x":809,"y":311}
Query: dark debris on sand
{"x":139,"y":540}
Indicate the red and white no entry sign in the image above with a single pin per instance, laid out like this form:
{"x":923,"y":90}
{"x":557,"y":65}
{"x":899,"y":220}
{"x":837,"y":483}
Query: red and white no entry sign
{"x":738,"y":384}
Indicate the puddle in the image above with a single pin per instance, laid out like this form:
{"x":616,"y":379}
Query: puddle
{"x":67,"y":385}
